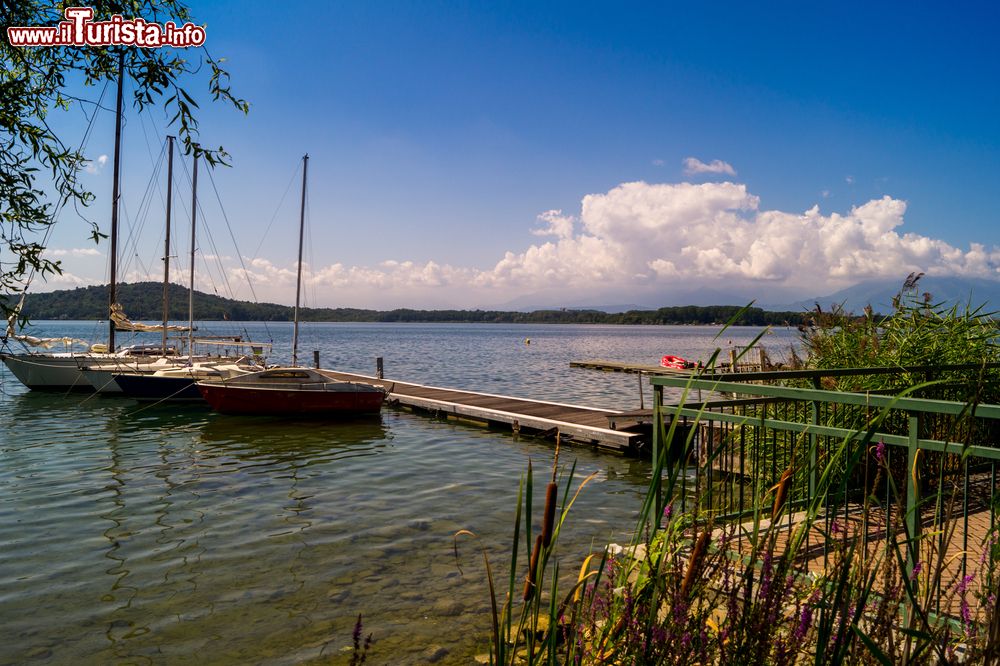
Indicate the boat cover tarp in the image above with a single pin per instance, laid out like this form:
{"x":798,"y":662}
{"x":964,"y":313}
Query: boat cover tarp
{"x":123,"y":323}
{"x":31,"y":340}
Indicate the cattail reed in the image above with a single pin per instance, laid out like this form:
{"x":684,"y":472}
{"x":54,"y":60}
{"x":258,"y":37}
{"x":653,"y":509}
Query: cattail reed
{"x":529,"y":583}
{"x":694,"y":565}
{"x":782,"y":488}
{"x":544,"y":540}
{"x":551,"y":494}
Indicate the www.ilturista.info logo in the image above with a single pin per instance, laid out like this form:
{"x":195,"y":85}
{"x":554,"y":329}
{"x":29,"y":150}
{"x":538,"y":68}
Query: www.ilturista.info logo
{"x":80,"y":30}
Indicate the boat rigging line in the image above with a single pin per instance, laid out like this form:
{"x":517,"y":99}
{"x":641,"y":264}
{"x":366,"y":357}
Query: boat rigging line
{"x":229,"y":227}
{"x":288,"y":188}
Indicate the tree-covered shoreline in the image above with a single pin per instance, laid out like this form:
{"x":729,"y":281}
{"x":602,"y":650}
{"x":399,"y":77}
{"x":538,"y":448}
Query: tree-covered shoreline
{"x":142,"y":301}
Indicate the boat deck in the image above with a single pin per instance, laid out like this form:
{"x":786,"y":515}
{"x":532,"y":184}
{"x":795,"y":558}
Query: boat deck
{"x":587,"y":425}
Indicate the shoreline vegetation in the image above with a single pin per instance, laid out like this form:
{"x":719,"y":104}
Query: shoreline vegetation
{"x":142,"y":300}
{"x":842,"y":539}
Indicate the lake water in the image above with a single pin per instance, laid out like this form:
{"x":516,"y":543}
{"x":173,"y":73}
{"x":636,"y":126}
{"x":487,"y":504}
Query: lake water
{"x":134,"y":534}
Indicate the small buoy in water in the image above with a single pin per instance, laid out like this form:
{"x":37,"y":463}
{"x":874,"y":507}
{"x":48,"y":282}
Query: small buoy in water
{"x":527,"y":341}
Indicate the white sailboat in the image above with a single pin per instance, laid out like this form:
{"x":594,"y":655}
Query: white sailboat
{"x":93,"y":369}
{"x":163,"y":378}
{"x":60,"y":370}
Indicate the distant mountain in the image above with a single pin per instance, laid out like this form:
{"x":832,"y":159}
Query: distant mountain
{"x":974,"y":292}
{"x":143,"y":301}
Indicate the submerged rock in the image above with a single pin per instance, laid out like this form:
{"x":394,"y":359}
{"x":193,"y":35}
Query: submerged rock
{"x":434,"y":654}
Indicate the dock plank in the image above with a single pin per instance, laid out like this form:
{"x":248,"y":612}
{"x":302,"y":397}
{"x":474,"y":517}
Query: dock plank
{"x":580,"y":423}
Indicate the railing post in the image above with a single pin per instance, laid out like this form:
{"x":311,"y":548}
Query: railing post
{"x":814,"y":444}
{"x":658,"y":444}
{"x":912,"y":492}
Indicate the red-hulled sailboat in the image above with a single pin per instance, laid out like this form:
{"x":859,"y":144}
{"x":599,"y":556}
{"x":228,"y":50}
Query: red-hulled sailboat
{"x":292,"y":391}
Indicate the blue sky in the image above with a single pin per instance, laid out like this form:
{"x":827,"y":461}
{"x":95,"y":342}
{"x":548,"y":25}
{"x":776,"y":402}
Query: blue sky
{"x":849,"y":142}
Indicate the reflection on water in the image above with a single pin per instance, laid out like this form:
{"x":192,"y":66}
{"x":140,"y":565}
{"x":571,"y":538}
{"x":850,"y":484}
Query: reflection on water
{"x":310,"y":440}
{"x":154,"y":535}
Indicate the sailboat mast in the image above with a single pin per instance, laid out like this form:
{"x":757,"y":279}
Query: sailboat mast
{"x":298,"y":280}
{"x":166,"y":242}
{"x":115,"y":194}
{"x":194,"y":217}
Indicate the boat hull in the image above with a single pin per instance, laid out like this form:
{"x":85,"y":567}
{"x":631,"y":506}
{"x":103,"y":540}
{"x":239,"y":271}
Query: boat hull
{"x":65,"y":371}
{"x":49,"y":372}
{"x":345,"y":400}
{"x":101,"y":381}
{"x":152,"y":388}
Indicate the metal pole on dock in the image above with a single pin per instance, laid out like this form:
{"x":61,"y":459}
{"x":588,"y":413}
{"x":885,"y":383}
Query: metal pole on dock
{"x":379,"y":368}
{"x":316,"y":358}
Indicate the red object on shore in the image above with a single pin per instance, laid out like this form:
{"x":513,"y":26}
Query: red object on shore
{"x":292,"y":392}
{"x":675,"y":362}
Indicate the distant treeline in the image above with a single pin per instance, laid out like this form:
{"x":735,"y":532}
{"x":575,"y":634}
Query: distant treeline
{"x":143,"y":301}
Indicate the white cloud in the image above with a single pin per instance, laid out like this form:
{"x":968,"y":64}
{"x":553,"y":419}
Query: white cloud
{"x":74,"y":252}
{"x":649,"y":238}
{"x":694,"y":166}
{"x":67,"y":279}
{"x":559,"y":225}
{"x":96,"y":166}
{"x":641,"y":235}
{"x":849,"y":180}
{"x":658,"y":162}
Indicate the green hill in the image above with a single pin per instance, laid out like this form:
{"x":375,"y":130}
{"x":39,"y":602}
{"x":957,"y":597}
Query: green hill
{"x":142,"y":302}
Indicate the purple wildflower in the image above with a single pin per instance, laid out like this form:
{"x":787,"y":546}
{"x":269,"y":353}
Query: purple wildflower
{"x":916,"y":571}
{"x":963,"y":586}
{"x":680,"y":611}
{"x":356,"y":635}
{"x":835,"y":527}
{"x":805,"y":621}
{"x":765,"y":583}
{"x":880,"y":451}
{"x":668,"y":511}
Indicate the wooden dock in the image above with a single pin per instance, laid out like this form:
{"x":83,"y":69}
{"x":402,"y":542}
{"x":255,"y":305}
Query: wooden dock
{"x":629,"y":368}
{"x":741,"y":360}
{"x":584,"y":425}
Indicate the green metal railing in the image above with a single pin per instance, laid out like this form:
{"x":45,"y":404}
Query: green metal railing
{"x":728,"y":454}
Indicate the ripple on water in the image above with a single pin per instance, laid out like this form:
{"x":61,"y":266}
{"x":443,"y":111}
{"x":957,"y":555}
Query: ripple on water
{"x":174,"y":534}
